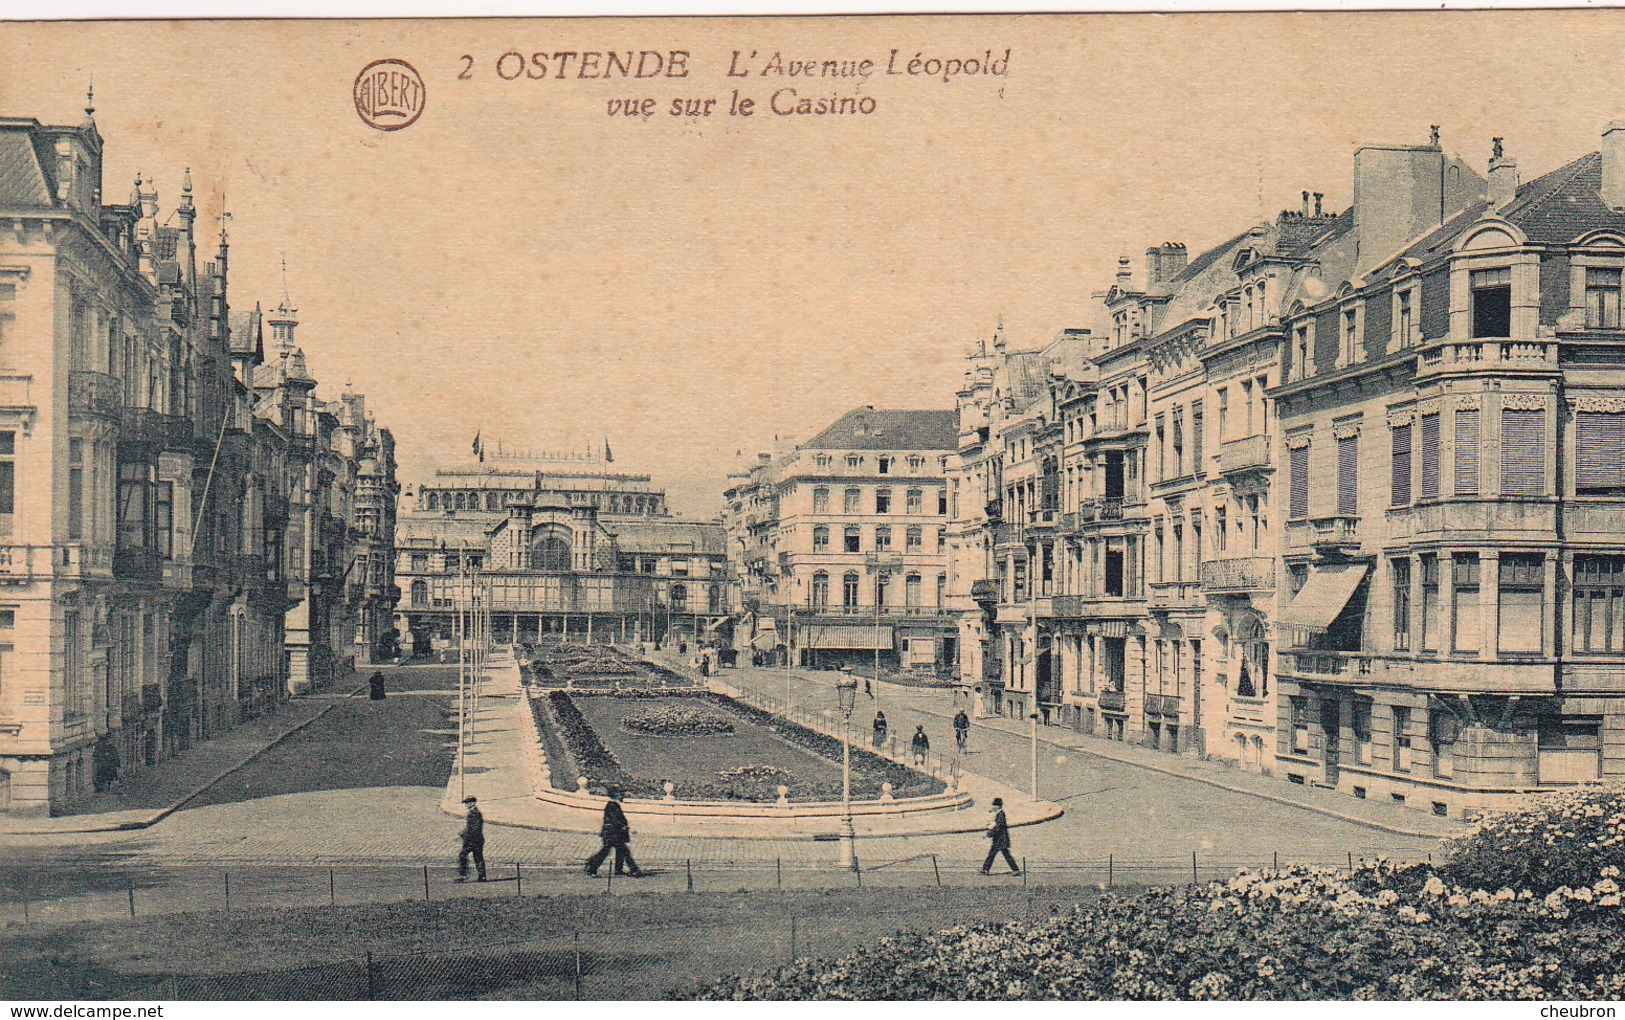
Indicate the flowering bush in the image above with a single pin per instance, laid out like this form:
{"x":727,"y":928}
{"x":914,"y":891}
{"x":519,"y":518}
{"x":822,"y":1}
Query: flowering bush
{"x":1382,"y":931}
{"x":1553,"y":840}
{"x":676,"y":721}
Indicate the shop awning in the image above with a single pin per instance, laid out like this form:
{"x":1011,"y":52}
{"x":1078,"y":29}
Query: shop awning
{"x":1323,"y":596}
{"x":846,"y":636}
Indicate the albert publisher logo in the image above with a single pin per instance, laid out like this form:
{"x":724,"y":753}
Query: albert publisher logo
{"x":389,"y":94}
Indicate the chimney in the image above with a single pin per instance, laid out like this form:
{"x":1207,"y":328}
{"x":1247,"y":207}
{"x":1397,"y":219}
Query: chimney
{"x":1173,"y":259}
{"x":1125,"y":275}
{"x":1403,"y":191}
{"x":1153,"y":266}
{"x":1318,"y":197}
{"x":1613,"y":165}
{"x":1306,"y":203}
{"x":1503,"y":176}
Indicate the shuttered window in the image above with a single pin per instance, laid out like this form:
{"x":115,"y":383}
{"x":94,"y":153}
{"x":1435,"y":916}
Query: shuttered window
{"x":1348,"y":476}
{"x":1298,"y":502}
{"x":1430,"y":456}
{"x":1599,"y":451}
{"x":1523,"y":452}
{"x":1402,"y":465}
{"x":1467,"y":451}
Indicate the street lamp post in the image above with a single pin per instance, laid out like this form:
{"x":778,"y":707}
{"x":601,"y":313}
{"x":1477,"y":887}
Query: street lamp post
{"x":1033,"y":718}
{"x":846,"y":692}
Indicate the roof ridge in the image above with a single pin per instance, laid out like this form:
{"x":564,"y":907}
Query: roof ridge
{"x":1575,"y":168}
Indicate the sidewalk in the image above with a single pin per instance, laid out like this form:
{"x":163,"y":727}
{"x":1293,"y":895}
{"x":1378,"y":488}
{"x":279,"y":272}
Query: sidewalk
{"x":498,"y":772}
{"x":937,"y":703}
{"x":151,"y":795}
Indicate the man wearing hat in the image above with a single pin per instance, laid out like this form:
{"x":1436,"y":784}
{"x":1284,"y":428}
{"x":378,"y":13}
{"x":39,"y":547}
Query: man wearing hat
{"x":473,"y":837}
{"x":999,"y":833}
{"x":617,"y":837}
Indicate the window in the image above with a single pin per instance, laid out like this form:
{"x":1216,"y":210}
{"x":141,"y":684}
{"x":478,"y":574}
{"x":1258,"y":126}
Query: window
{"x":8,"y":480}
{"x":1443,"y":731}
{"x":1430,"y":456}
{"x":820,"y":500}
{"x":915,"y":538}
{"x":882,"y":585}
{"x":76,"y":489}
{"x":942,"y":501}
{"x":1349,"y":349}
{"x":1523,"y":452}
{"x":849,"y":501}
{"x":882,"y":539}
{"x":1179,"y":444}
{"x":679,"y":598}
{"x":1467,"y":451}
{"x":1430,"y":603}
{"x":1521,"y":587}
{"x":1348,"y":475}
{"x":73,"y":665}
{"x":823,"y":460}
{"x":1492,"y":302}
{"x":1599,"y":452}
{"x":420,"y":562}
{"x":1401,"y":571}
{"x":1404,"y":317}
{"x":942,"y":589}
{"x":853,"y":461}
{"x":1599,"y":603}
{"x":820,"y":590}
{"x":882,"y":501}
{"x":1300,"y":725}
{"x":1602,"y":298}
{"x":1220,"y":537}
{"x":1300,"y":352}
{"x":821,"y":539}
{"x":163,"y":518}
{"x":1196,"y":438}
{"x":1402,"y":739}
{"x":1570,"y":750}
{"x":1361,"y":725}
{"x":911,"y":591}
{"x":1401,"y":482}
{"x":1298,"y":465}
{"x":1224,"y":414}
{"x":851,"y":538}
{"x":884,"y":464}
{"x":915,"y":501}
{"x":1464,"y":592}
{"x":420,"y":592}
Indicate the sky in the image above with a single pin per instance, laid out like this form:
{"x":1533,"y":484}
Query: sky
{"x":520,"y":263}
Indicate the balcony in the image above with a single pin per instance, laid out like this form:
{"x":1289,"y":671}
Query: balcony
{"x":1174,"y":595}
{"x":1008,"y":534}
{"x":137,"y":563}
{"x":1066,"y":607}
{"x":1043,"y":518}
{"x":986,"y":591}
{"x":1249,"y":454}
{"x":1240,"y":575}
{"x":1335,"y":534}
{"x":1326,"y":665}
{"x":1496,"y":353}
{"x":95,"y":394}
{"x":1112,"y":701}
{"x":1109,"y":508}
{"x":143,"y":425}
{"x":1164,"y":705}
{"x":994,"y":511}
{"x":1427,"y":675}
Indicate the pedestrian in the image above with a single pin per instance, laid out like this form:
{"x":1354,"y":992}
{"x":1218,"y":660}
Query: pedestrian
{"x":961,"y":729}
{"x":616,"y":835}
{"x":880,"y":730}
{"x":867,"y":689}
{"x":104,"y":765}
{"x":376,"y":684}
{"x":999,"y":833}
{"x":473,"y":837}
{"x":921,"y":744}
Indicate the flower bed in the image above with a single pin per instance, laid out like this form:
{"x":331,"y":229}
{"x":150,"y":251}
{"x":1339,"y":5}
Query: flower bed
{"x":1557,"y":839}
{"x":671,"y":721}
{"x":1380,"y":932}
{"x":586,"y":754}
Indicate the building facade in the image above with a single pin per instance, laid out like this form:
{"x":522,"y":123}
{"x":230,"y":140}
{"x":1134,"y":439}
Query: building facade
{"x":845,"y":539}
{"x":573,"y":551}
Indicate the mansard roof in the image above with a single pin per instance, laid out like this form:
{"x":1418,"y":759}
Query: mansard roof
{"x":865,"y":428}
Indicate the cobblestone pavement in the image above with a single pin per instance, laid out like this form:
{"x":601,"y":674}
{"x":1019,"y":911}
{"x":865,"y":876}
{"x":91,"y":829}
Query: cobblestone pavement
{"x":303,"y":807}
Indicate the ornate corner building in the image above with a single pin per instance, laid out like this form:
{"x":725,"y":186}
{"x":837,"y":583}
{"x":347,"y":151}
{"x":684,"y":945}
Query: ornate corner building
{"x":1338,"y":499}
{"x":145,"y":518}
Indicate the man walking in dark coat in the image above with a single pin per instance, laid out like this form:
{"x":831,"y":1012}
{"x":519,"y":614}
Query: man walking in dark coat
{"x":473,"y":836}
{"x":921,"y":744}
{"x":999,"y":833}
{"x":617,"y":836}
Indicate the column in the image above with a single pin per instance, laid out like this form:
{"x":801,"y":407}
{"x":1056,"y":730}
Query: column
{"x":1489,"y":602}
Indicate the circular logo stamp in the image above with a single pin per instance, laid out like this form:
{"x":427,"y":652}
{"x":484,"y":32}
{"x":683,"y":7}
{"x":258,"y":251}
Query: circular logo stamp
{"x":389,"y":94}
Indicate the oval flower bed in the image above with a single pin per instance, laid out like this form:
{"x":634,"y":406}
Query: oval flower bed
{"x":1379,"y":932}
{"x":672,"y":721}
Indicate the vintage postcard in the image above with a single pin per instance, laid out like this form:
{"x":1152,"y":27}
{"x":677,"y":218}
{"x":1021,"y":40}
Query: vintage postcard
{"x":934,"y":507}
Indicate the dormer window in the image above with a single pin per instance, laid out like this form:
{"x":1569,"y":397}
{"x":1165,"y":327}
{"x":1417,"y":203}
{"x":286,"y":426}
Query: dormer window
{"x":885,"y":465}
{"x":1404,"y":317}
{"x":1492,"y":302}
{"x":824,"y":460}
{"x":1602,"y":298}
{"x":1303,"y":342}
{"x":1349,"y":347}
{"x":853,"y":461}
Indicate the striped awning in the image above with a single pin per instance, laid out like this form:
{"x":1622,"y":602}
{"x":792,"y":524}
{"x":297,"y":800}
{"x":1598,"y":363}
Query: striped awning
{"x":845,"y":635}
{"x":1323,"y":596}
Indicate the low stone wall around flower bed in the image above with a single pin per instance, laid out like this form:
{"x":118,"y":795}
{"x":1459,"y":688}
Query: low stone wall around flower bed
{"x":574,"y":751}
